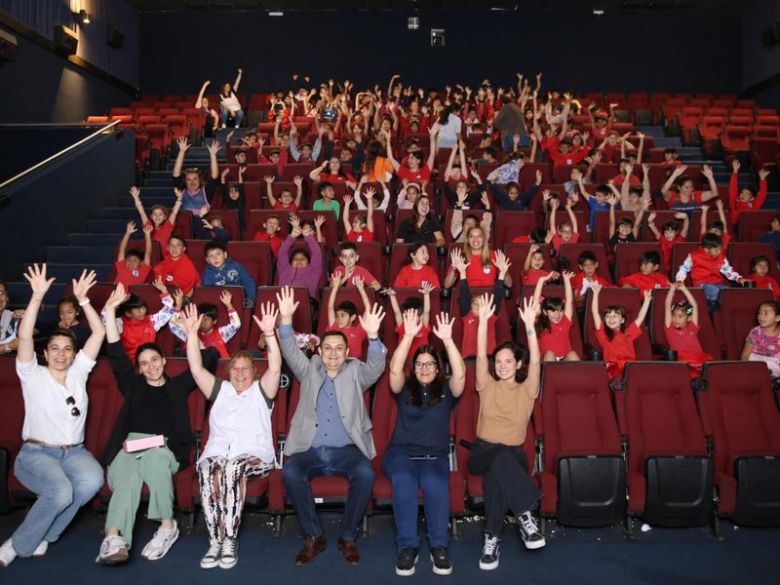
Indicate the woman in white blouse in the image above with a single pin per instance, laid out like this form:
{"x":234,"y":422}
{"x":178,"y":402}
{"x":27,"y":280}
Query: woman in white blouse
{"x":53,"y":462}
{"x":240,"y":443}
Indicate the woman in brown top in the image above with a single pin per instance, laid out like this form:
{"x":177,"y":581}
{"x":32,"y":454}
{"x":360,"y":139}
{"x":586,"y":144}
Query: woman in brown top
{"x":506,"y":401}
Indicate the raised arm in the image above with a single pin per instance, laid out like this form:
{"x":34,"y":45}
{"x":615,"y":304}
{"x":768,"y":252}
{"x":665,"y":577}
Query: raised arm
{"x":129,"y":230}
{"x":703,"y":221}
{"x":203,"y":378}
{"x":36,"y":276}
{"x":298,"y":191}
{"x":443,"y":330}
{"x":135,"y":193}
{"x":335,"y":285}
{"x":345,"y":215}
{"x":147,"y":244}
{"x":706,"y":170}
{"x":640,"y":318}
{"x":486,"y":309}
{"x":80,"y":290}
{"x":412,"y":326}
{"x":528,"y":316}
{"x":267,"y":324}
{"x":184,"y":146}
{"x":668,"y":303}
{"x":236,"y":82}
{"x":568,"y":308}
{"x":638,"y":214}
{"x":213,"y":149}
{"x":594,"y":306}
{"x":652,"y":226}
{"x":665,"y":189}
{"x":722,"y":215}
{"x":201,"y":93}
{"x":612,"y":203}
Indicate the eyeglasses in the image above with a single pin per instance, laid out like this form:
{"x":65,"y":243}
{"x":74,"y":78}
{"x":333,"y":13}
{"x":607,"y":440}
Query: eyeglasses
{"x":425,"y":365}
{"x":70,"y":401}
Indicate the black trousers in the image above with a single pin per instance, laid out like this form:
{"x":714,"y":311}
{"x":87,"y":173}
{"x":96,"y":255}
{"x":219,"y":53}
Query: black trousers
{"x":506,"y":482}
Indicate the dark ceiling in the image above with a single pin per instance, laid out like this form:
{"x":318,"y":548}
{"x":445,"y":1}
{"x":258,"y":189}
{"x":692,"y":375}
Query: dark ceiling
{"x":178,"y":5}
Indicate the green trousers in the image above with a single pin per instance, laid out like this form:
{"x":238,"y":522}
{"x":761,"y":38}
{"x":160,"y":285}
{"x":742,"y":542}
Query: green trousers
{"x":126,"y":476}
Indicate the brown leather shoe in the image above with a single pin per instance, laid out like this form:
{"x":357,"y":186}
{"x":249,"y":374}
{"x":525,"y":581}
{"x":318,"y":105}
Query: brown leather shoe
{"x":311,"y":548}
{"x":349,"y":551}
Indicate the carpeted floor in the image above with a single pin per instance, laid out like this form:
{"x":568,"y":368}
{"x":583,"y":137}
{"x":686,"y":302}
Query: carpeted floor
{"x":572,"y":556}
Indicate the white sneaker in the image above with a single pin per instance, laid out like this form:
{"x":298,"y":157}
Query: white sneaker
{"x":41,"y":549}
{"x":161,"y":543}
{"x":113,"y":551}
{"x":229,"y":556}
{"x":490,"y":553}
{"x":7,"y":553}
{"x":530,"y":534}
{"x":211,"y":558}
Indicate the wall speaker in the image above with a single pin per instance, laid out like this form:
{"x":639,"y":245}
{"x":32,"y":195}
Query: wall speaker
{"x":114,"y":36}
{"x":8,"y":45}
{"x":438,"y":37}
{"x":66,"y":41}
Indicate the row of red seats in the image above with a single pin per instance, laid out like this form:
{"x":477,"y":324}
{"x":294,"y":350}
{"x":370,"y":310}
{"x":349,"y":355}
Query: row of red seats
{"x":653,"y":443}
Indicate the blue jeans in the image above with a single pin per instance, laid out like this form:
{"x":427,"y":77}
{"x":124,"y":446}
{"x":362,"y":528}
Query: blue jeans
{"x":712,"y":291}
{"x":64,"y":480}
{"x":407,"y":476}
{"x":508,"y":142}
{"x":349,"y":462}
{"x":225,"y":114}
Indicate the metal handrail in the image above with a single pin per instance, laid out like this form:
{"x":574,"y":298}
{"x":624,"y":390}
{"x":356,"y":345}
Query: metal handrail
{"x":58,"y":155}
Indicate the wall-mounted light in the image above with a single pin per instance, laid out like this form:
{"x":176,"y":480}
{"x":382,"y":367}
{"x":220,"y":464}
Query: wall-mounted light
{"x":83,"y":16}
{"x":276,"y":13}
{"x":598,"y":11}
{"x":413,"y":23}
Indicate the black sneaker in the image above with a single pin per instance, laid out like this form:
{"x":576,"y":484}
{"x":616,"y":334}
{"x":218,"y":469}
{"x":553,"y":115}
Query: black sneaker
{"x":407,"y":559}
{"x":529,"y":531}
{"x":440,"y":557}
{"x":489,"y":559}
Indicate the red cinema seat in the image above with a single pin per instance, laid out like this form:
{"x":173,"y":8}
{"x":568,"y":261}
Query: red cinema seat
{"x":754,"y":224}
{"x":740,"y":255}
{"x":211,"y":294}
{"x":389,"y":325}
{"x":670,"y":475}
{"x":257,"y":217}
{"x":628,"y":257}
{"x":177,"y":125}
{"x":510,"y":224}
{"x":736,"y":139}
{"x":744,"y":424}
{"x":583,"y":473}
{"x":707,"y":337}
{"x":679,"y":253}
{"x":97,"y":119}
{"x":255,"y":257}
{"x":737,"y":316}
{"x":572,"y":252}
{"x":631,"y":302}
{"x":302,"y":319}
{"x":600,"y":232}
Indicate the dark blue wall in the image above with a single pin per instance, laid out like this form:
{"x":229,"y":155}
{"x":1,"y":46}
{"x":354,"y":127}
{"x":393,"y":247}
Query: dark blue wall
{"x":760,"y":63}
{"x":40,"y":86}
{"x":32,"y":144}
{"x":677,"y":51}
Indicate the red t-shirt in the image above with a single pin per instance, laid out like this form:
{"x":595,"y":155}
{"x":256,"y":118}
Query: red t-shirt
{"x":420,"y":176}
{"x":557,"y":241}
{"x":214,"y":339}
{"x":645,"y":281}
{"x":667,"y":247}
{"x":620,"y":350}
{"x":469,"y":343}
{"x":356,"y":338}
{"x":556,"y":340}
{"x":162,"y":233}
{"x":685,"y":339}
{"x":478,"y":275}
{"x":766,"y":282}
{"x":580,"y":284}
{"x":135,"y":333}
{"x":364,"y":236}
{"x":274,"y":241}
{"x":408,"y":277}
{"x":568,"y":159}
{"x":420,"y":339}
{"x":522,"y":240}
{"x":368,"y":278}
{"x":292,"y":208}
{"x":127,"y":277}
{"x":336,"y":178}
{"x":634,"y":180}
{"x":533,"y":276}
{"x":179,"y":273}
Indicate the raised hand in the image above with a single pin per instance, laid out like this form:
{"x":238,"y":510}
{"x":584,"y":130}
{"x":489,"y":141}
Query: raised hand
{"x":347,"y":201}
{"x":502,"y":263}
{"x":427,"y":289}
{"x":443,"y":327}
{"x":226,"y":298}
{"x":529,"y":311}
{"x":412,"y":323}
{"x":267,"y":320}
{"x":567,"y":275}
{"x":368,"y":194}
{"x":130,"y":228}
{"x":335,"y":280}
{"x":763,"y":173}
{"x":184,"y":144}
{"x":319,"y":220}
{"x":214,"y":147}
{"x":371,"y":320}
{"x":735,"y":164}
{"x":286,"y":301}
{"x":596,"y":288}
{"x":179,"y":193}
{"x":485,"y":306}
{"x":160,"y":285}
{"x":296,"y":230}
{"x":223,"y":175}
{"x":268,"y":179}
{"x":118,"y":296}
{"x":191,"y":321}
{"x":359,"y":283}
{"x":85,"y":282}
{"x":178,"y":297}
{"x":706,"y":170}
{"x":298,"y":181}
{"x":135,"y":192}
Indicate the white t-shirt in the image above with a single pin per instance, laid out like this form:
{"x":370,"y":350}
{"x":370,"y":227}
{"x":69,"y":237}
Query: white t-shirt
{"x":449,"y":132}
{"x":47,"y":414}
{"x":240,"y":424}
{"x":231,"y":103}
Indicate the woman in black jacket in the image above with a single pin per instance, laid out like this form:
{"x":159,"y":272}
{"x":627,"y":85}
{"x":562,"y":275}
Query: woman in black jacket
{"x":154,"y":408}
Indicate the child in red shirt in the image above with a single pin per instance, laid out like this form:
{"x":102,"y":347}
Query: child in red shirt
{"x":422,"y":314}
{"x":177,"y":269}
{"x":617,"y":340}
{"x":681,"y":326}
{"x":554,"y":322}
{"x":718,"y":227}
{"x":209,"y":334}
{"x":349,"y":271}
{"x":759,"y":273}
{"x":469,"y":306}
{"x":533,"y":269}
{"x":131,"y":266}
{"x":567,"y":232}
{"x":417,"y":273}
{"x":672,"y":234}
{"x":361,"y":227}
{"x":161,"y":220}
{"x":271,"y":227}
{"x":745,"y":199}
{"x":136,"y":326}
{"x":587,"y":276}
{"x":285,"y":202}
{"x":648,"y":277}
{"x":343,"y":317}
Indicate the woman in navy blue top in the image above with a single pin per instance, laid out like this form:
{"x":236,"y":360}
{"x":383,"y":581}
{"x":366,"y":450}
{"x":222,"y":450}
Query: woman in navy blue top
{"x":417,"y":456}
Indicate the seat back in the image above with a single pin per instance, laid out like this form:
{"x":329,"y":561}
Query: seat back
{"x":631,"y":302}
{"x":572,"y":252}
{"x":754,"y":224}
{"x":628,"y":256}
{"x":737,"y":316}
{"x":707,"y":337}
{"x":255,"y":257}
